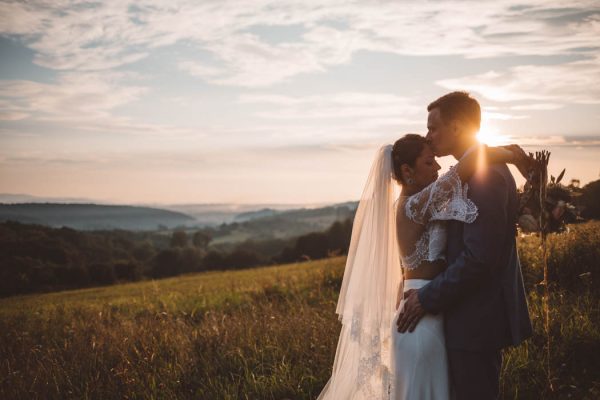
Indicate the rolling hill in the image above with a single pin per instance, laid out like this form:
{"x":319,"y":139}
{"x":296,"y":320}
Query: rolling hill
{"x":234,"y":222}
{"x":93,"y":216}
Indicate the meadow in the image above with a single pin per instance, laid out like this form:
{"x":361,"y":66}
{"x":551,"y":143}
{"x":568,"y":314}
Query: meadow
{"x":268,"y":333}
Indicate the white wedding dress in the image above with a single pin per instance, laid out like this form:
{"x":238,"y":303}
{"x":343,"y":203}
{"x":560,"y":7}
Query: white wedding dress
{"x":373,"y":360}
{"x":419,"y":358}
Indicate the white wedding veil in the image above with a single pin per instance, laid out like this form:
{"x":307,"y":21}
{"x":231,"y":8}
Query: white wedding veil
{"x":362,"y":368}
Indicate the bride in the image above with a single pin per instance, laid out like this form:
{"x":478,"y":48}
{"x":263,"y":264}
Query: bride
{"x":397,"y":244}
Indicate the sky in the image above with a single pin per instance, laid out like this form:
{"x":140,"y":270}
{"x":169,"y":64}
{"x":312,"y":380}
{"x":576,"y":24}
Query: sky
{"x":174,"y":102}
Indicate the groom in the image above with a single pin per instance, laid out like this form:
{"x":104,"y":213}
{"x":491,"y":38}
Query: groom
{"x":481,"y":292}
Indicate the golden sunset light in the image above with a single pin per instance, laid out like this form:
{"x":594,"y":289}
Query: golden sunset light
{"x":491,"y":136}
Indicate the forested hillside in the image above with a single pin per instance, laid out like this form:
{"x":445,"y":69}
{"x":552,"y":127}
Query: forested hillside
{"x":37,"y":258}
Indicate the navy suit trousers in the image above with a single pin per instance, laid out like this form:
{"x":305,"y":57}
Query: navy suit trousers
{"x":475,"y":375}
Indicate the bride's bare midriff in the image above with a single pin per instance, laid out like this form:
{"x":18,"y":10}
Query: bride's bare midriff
{"x":425,"y":270}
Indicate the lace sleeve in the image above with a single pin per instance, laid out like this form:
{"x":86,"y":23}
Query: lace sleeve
{"x":444,"y":199}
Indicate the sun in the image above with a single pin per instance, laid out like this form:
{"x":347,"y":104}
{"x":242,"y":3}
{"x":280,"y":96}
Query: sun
{"x":490,"y":136}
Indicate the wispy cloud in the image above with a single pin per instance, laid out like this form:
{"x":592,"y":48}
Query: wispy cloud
{"x":103,"y":35}
{"x":495,"y":115}
{"x":344,"y":118}
{"x":73,"y":96}
{"x":573,"y":82}
{"x":83,"y":100}
{"x":353,"y":105}
{"x":537,"y":107}
{"x":12,"y":115}
{"x":559,"y":141}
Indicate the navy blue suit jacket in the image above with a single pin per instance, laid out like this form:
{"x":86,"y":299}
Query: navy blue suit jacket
{"x":481,"y":291}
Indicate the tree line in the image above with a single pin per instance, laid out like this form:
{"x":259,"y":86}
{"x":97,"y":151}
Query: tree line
{"x":36,"y":258}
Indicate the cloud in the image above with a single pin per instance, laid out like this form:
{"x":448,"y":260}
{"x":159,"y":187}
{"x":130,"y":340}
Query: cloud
{"x":200,"y":69}
{"x":252,"y":63}
{"x":109,"y":159}
{"x":573,"y":82}
{"x":80,"y":101}
{"x":346,"y":117}
{"x":73,"y":96}
{"x":70,"y":35}
{"x":494,"y":115}
{"x":12,"y":115}
{"x":246,"y":59}
{"x":537,"y":107}
{"x":558,"y":141}
{"x":17,"y":18}
{"x":339,"y":105}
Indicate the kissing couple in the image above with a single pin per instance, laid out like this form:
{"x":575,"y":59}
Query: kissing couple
{"x":432,"y":289}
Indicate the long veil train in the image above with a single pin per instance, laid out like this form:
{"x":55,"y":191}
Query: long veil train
{"x":362,"y":368}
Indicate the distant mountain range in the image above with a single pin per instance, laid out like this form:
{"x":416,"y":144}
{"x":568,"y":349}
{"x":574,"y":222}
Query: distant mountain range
{"x":94,"y":216}
{"x":216,"y":214}
{"x":268,"y":224}
{"x":81,"y":214}
{"x":11,"y":198}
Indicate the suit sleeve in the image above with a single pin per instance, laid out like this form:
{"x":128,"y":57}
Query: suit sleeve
{"x":482,"y":243}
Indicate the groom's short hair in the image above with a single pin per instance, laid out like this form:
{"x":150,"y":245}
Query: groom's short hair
{"x":459,"y":106}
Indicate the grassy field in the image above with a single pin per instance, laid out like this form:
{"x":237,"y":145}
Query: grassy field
{"x":266,"y":333}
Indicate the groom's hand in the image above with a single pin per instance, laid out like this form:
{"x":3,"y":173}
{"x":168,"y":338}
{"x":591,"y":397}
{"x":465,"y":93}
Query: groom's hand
{"x":412,"y":312}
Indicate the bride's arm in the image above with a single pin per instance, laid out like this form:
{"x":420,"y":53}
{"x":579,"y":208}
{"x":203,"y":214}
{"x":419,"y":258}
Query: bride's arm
{"x":511,"y":154}
{"x":445,"y":199}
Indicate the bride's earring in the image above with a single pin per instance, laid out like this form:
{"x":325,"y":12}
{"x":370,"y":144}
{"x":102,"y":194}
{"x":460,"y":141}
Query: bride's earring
{"x":409,"y":181}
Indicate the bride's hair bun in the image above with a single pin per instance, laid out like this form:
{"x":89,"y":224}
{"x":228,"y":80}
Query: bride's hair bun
{"x":406,"y":150}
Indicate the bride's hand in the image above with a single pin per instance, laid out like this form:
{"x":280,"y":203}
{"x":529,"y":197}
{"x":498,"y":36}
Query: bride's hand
{"x":521,"y":160}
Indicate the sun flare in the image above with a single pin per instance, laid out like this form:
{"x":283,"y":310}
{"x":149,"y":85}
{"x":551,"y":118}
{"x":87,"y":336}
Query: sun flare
{"x":490,"y":136}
